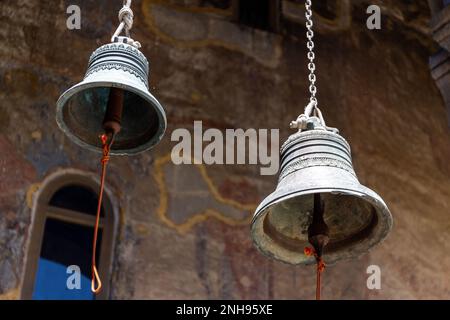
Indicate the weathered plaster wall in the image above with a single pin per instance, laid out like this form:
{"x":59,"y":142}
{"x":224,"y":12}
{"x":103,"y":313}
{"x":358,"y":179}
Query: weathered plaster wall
{"x":184,"y":231}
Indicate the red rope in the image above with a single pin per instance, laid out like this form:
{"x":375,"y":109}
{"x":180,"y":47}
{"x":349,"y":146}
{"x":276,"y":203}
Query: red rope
{"x":104,"y":161}
{"x":319,"y":269}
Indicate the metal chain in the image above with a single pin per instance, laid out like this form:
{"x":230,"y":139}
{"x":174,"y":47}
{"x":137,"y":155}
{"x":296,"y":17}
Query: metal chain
{"x":312,"y":108}
{"x":311,"y":56}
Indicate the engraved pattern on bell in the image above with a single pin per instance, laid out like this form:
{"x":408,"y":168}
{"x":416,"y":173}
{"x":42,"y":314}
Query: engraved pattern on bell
{"x":119,"y":57}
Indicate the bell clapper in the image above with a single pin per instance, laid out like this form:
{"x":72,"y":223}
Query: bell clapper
{"x":318,"y":237}
{"x":113,"y":114}
{"x":111,"y":125}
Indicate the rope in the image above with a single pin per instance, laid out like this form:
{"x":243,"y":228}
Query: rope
{"x":320,"y":267}
{"x":106,"y":146}
{"x":126,"y":17}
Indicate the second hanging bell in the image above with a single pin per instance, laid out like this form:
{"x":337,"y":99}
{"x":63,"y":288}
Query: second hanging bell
{"x":317,"y":176}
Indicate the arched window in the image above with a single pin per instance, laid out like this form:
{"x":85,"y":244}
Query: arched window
{"x":61,"y":239}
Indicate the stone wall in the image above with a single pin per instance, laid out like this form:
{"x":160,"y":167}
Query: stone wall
{"x":184,"y":230}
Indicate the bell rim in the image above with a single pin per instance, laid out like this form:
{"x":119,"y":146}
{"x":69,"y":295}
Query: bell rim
{"x":371,"y":196}
{"x":118,"y":152}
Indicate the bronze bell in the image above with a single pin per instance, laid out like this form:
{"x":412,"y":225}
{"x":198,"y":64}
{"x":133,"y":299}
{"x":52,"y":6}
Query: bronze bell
{"x":116,"y":72}
{"x":318,"y":200}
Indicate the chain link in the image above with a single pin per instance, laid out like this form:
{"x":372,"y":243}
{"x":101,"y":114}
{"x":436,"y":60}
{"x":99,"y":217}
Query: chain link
{"x":311,"y":56}
{"x":311,"y":108}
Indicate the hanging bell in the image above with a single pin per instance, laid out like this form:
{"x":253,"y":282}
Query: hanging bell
{"x":319,"y":201}
{"x":116,"y":71}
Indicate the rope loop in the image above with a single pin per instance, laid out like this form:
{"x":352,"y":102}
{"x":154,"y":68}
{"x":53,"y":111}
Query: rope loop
{"x":95,"y":278}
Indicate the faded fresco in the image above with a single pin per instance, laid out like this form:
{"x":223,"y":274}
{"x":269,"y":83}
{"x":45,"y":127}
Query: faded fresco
{"x":183,"y":232}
